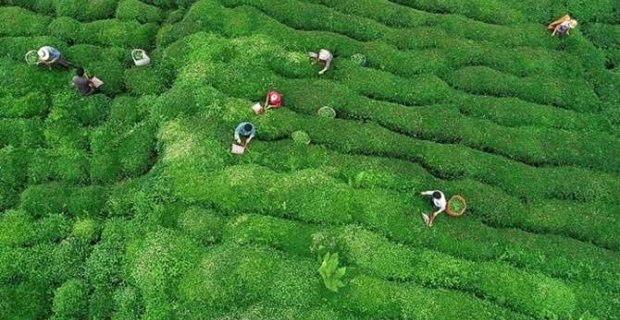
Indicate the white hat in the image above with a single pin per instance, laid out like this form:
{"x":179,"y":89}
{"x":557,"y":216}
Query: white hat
{"x":43,"y":53}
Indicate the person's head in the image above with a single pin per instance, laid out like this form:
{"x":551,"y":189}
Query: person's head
{"x":437,"y":195}
{"x":79,"y":71}
{"x":313,"y":55}
{"x":248,"y":127}
{"x":572,"y":23}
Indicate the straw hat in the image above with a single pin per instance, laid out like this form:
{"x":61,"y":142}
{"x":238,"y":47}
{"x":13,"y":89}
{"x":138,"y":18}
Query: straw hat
{"x":572,"y":23}
{"x":43,"y":53}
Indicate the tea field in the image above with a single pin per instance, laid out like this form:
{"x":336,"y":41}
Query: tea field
{"x":128,"y":204}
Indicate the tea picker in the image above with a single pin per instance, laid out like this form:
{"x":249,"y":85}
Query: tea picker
{"x":454,"y":207}
{"x":439,"y":201}
{"x":562,"y":25}
{"x":273,"y":100}
{"x":244,"y":133}
{"x":323,"y":57}
{"x":84,"y":84}
{"x":48,"y":56}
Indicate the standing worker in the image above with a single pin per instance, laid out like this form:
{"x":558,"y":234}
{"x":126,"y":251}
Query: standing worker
{"x":439,"y":201}
{"x":246,"y":131}
{"x":324,"y":57}
{"x":50,"y":56}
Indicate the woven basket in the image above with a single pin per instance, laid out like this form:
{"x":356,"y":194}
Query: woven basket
{"x":32,"y":57}
{"x":326,"y":112}
{"x":459,"y":212}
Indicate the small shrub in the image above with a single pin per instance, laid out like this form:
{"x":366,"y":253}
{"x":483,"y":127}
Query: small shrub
{"x":85,"y":10}
{"x":139,"y":11}
{"x":70,"y":300}
{"x":330,"y":272}
{"x":15,"y":22}
{"x":85,"y":230}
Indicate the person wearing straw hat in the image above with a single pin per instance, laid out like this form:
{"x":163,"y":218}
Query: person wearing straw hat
{"x":438,"y":199}
{"x":50,"y":56}
{"x":323,"y":57}
{"x":245,"y":131}
{"x":81,"y":81}
{"x":273,"y":100}
{"x":563,"y":25}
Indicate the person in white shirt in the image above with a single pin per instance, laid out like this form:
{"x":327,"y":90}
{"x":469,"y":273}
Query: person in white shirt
{"x":439,"y":201}
{"x":323,"y":57}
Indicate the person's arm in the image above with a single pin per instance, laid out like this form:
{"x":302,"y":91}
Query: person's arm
{"x":427,"y":193}
{"x":266,"y":102}
{"x":440,"y":210}
{"x":237,"y":137}
{"x":555,"y":30}
{"x":327,"y":63}
{"x":249,"y":139}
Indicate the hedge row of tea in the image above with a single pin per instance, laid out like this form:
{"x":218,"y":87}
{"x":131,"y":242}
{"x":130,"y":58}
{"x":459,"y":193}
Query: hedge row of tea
{"x":127,"y":204}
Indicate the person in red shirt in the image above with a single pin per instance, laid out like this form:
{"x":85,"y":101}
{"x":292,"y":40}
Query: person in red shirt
{"x":273,"y":100}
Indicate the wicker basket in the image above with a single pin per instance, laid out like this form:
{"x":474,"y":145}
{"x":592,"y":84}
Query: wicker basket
{"x":326,"y":112}
{"x":301,"y":137}
{"x":460,"y":211}
{"x":32,"y":57}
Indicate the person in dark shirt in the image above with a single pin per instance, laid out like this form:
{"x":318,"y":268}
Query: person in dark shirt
{"x":82,"y":83}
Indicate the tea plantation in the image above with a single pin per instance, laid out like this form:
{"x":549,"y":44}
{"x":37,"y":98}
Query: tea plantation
{"x":128,"y":204}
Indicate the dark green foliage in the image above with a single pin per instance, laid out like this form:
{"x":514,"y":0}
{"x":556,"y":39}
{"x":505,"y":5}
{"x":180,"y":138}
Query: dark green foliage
{"x":139,"y":11}
{"x":33,"y":104}
{"x":85,"y":10}
{"x":86,"y":111}
{"x":15,"y":22}
{"x":109,"y":32}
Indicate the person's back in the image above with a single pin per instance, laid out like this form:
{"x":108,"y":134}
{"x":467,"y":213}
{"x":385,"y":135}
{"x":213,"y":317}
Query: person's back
{"x":81,"y":82}
{"x":48,"y":54}
{"x":325,"y":55}
{"x":245,"y":130}
{"x":51,"y":56}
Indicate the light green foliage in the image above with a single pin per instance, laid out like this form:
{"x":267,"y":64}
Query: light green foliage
{"x":70,"y":300}
{"x":331,"y":274}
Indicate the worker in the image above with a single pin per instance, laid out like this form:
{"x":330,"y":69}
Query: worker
{"x":244,"y":131}
{"x":323,"y":57}
{"x":50,"y":56}
{"x":563,"y":25}
{"x":438,"y":199}
{"x":273,"y":100}
{"x":81,"y":81}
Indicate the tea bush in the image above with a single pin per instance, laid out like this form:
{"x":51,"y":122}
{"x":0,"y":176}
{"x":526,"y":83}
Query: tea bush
{"x":70,"y":300}
{"x":85,"y":10}
{"x":15,"y":22}
{"x":139,"y":11}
